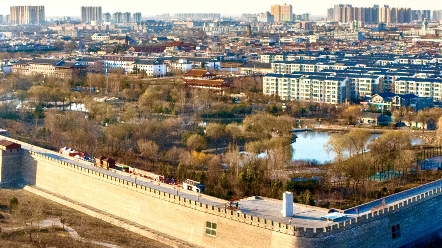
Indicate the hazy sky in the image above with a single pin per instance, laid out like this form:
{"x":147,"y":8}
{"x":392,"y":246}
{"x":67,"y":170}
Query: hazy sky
{"x":225,"y":7}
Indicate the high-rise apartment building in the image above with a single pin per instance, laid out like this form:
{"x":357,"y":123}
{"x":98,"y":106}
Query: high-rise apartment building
{"x":337,"y":12}
{"x":282,"y":13}
{"x":301,"y":17}
{"x":117,"y":17}
{"x":2,"y":20}
{"x":426,"y":14}
{"x":286,"y":13}
{"x":375,"y":14}
{"x":347,"y":13}
{"x":136,"y":17}
{"x":107,"y":17}
{"x":275,"y":10}
{"x":34,"y":15}
{"x":403,"y":15}
{"x":90,"y":14}
{"x":358,"y":14}
{"x":330,"y":14}
{"x":343,"y":13}
{"x":126,"y":17}
{"x":420,"y":15}
{"x":384,"y":14}
{"x":437,"y":15}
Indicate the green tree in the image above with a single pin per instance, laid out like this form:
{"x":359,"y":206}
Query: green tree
{"x":306,"y":198}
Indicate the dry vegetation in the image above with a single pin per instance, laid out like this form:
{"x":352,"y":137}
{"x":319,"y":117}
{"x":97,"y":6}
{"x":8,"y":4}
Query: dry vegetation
{"x":34,"y":209}
{"x":154,"y":125}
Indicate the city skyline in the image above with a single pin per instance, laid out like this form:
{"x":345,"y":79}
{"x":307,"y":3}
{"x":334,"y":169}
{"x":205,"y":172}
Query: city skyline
{"x":226,"y":8}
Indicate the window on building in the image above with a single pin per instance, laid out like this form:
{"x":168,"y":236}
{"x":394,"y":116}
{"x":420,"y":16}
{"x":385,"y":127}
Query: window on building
{"x":396,"y":231}
{"x":211,"y":228}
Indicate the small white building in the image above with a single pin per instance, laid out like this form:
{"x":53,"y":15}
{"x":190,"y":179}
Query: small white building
{"x":111,"y":63}
{"x":193,"y":186}
{"x":100,"y":37}
{"x":152,"y":68}
{"x":181,"y":65}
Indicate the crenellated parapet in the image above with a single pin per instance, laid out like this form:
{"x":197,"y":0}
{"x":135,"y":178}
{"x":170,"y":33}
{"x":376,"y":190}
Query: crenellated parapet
{"x":378,"y":213}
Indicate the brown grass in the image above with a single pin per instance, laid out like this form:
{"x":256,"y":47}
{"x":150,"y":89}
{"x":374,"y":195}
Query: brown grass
{"x":34,"y":208}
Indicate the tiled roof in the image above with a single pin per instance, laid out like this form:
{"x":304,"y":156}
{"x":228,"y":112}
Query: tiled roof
{"x":197,"y":73}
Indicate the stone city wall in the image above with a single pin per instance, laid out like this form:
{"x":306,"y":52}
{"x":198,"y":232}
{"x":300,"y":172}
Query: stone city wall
{"x":185,"y":218}
{"x":167,"y":213}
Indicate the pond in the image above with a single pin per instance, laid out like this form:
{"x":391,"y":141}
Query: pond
{"x":311,"y":146}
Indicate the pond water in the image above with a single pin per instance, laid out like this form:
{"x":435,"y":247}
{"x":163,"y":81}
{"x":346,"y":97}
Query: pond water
{"x":311,"y":146}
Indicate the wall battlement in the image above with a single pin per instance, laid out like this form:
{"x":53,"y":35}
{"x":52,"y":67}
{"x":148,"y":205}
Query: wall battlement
{"x":297,"y":231}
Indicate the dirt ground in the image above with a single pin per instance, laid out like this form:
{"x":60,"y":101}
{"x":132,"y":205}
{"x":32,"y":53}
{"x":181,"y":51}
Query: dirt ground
{"x":25,"y":225}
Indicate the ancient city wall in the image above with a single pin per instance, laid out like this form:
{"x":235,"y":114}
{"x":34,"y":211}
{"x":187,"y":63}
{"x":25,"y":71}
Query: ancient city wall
{"x":186,"y":218}
{"x":169,"y":214}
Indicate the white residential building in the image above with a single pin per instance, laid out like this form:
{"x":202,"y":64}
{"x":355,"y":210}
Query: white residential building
{"x":333,"y":90}
{"x":422,"y":87}
{"x":115,"y":62}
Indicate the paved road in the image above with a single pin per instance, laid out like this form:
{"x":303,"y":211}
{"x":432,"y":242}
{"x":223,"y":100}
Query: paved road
{"x":140,"y":181}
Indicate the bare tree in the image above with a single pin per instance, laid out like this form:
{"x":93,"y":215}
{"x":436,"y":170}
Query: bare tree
{"x":196,"y":142}
{"x":234,"y":130}
{"x":149,"y":149}
{"x":215,"y":131}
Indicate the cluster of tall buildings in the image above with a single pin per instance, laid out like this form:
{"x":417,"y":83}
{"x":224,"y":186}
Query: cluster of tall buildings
{"x":268,"y":17}
{"x":196,"y":16}
{"x":301,"y":17}
{"x":24,"y":15}
{"x":91,"y":14}
{"x":282,"y":13}
{"x":122,"y":17}
{"x":94,"y":14}
{"x":347,"y":13}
